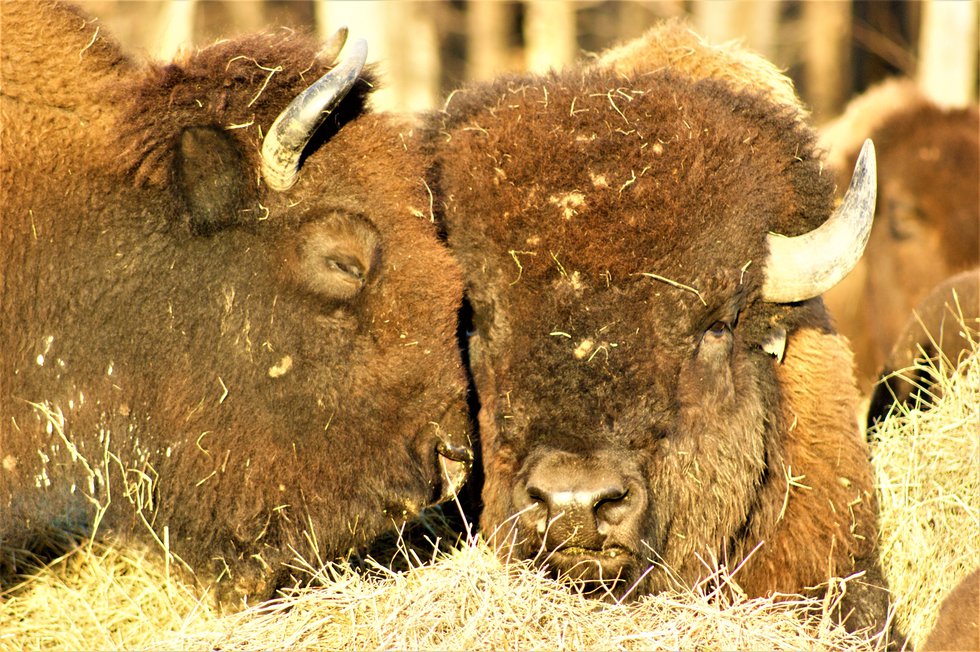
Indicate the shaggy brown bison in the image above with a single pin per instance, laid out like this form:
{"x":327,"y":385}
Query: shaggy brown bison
{"x":927,"y":224}
{"x":941,"y":329}
{"x":661,"y":387}
{"x":218,"y":334}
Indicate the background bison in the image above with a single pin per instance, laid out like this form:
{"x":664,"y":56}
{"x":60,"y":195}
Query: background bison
{"x":194,"y":354}
{"x":958,"y":625}
{"x":661,"y":390}
{"x":940,"y":332}
{"x":927,"y":225}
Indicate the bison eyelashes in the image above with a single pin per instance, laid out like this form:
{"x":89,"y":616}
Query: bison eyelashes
{"x":336,"y":257}
{"x":351,"y":268}
{"x":718,"y":329}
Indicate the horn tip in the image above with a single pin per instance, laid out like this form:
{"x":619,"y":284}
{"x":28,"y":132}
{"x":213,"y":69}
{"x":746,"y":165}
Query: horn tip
{"x":867,"y":156}
{"x":358,"y":48}
{"x":333,"y":45}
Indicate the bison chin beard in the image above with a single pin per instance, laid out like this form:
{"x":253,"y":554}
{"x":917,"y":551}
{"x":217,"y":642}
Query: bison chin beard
{"x":607,"y":575}
{"x":610,"y":574}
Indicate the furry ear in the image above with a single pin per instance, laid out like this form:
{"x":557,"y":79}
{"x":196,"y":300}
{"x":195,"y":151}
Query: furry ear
{"x":212,"y":178}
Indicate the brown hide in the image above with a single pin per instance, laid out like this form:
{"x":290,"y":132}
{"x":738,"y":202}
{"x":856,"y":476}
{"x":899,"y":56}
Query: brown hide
{"x":635,"y":430}
{"x":941,"y":330}
{"x":195,"y":359}
{"x":927,"y":222}
{"x":958,"y":625}
{"x":832,"y":506}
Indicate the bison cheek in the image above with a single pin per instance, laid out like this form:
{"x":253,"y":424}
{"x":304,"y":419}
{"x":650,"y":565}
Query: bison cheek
{"x":499,"y":459}
{"x":710,"y":467}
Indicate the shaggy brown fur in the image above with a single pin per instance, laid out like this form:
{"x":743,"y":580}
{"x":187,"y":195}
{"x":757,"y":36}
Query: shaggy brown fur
{"x":939,"y":332}
{"x":676,"y":46}
{"x":612,"y":232}
{"x":958,"y":626}
{"x":927,"y":224}
{"x":189,"y":357}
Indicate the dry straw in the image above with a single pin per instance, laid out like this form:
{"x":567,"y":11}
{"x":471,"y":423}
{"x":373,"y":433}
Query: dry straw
{"x":928,"y":468}
{"x":112,"y":597}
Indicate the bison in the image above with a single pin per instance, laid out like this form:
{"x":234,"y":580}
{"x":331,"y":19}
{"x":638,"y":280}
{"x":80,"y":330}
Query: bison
{"x":228,"y":320}
{"x":940,"y":331}
{"x":958,"y":624}
{"x":661,"y":388}
{"x":927,"y":224}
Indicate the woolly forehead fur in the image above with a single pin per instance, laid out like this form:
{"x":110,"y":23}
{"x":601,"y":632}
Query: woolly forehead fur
{"x":674,"y":45}
{"x":590,"y":172}
{"x":239,"y":85}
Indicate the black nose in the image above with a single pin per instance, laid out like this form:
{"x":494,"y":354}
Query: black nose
{"x":571,"y":501}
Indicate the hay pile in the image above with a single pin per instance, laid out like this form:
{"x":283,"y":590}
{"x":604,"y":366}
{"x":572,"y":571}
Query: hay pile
{"x":928,"y":470}
{"x":471,"y":600}
{"x":98,"y":597}
{"x":108,"y":598}
{"x":927,"y":465}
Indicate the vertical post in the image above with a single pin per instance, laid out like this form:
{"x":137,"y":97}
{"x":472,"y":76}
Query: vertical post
{"x":177,"y":28}
{"x":754,"y":22}
{"x":488,"y":49}
{"x":550,"y":34}
{"x":947,"y":69}
{"x":717,"y":22}
{"x":415,"y":62}
{"x":827,"y":71}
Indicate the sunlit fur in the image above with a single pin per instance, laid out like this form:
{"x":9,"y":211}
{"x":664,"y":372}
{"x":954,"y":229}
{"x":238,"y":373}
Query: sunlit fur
{"x":175,"y":362}
{"x":605,"y":222}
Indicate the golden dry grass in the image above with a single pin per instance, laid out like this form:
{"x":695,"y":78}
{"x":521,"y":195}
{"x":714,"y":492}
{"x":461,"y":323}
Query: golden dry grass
{"x":99,"y":597}
{"x":469,"y":599}
{"x":928,"y":468}
{"x":104,"y":597}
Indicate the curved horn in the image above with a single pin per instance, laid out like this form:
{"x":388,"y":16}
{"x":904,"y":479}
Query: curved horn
{"x":333,"y":45}
{"x":808,"y":265}
{"x":292,"y":130}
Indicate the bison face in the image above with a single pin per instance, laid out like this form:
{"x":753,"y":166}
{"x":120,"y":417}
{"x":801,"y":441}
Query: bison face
{"x":247,"y":364}
{"x":618,"y":437}
{"x":628,"y":303}
{"x":326,"y":306}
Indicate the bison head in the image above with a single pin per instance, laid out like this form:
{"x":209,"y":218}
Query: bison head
{"x":927,"y":215}
{"x":205,"y":346}
{"x":660,"y":389}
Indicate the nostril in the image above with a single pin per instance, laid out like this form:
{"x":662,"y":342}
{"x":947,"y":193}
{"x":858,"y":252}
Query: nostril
{"x":455,"y":452}
{"x":536,"y":495}
{"x":536,"y":508}
{"x":610,"y":495}
{"x":612,"y":507}
{"x":453,"y":463}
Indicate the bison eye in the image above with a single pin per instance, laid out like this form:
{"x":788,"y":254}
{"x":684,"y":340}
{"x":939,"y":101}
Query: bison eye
{"x":350,"y":268}
{"x":718,"y":329}
{"x":716,"y":339}
{"x":336,"y":257}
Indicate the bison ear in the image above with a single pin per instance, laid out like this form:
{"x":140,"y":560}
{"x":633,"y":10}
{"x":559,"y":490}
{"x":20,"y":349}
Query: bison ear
{"x":211,"y":177}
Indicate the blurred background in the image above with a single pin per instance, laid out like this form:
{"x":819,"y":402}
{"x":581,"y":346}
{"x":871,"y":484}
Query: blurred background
{"x":833,"y":49}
